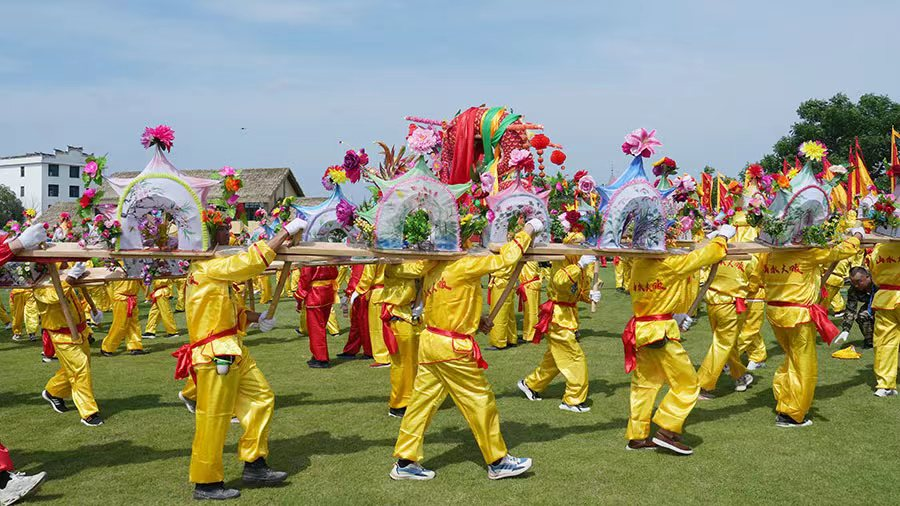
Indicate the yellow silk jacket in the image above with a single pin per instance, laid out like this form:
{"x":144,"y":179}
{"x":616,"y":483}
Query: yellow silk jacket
{"x":122,"y":289}
{"x":400,"y":287}
{"x":568,"y":283}
{"x":371,"y":282}
{"x":52,"y":318}
{"x":885,"y":263}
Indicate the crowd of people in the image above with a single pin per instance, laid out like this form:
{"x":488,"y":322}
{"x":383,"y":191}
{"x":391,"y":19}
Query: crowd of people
{"x":421,"y":318}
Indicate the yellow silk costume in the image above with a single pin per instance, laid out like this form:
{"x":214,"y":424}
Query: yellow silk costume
{"x":750,"y":340}
{"x":24,"y":311}
{"x":123,"y":326}
{"x":660,"y":358}
{"x":4,"y":316}
{"x":795,"y":277}
{"x":264,"y":285}
{"x":160,"y":308}
{"x":399,"y":295}
{"x":370,"y":285}
{"x":885,"y":264}
{"x":729,"y":286}
{"x":568,"y":284}
{"x":530,"y":284}
{"x":448,"y":353}
{"x":623,"y":273}
{"x":504,"y":331}
{"x":100,"y":295}
{"x":243,"y":391}
{"x":834,"y":283}
{"x":73,"y":379}
{"x":178,"y":287}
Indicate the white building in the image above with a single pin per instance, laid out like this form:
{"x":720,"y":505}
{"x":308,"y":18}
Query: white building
{"x":41,"y":179}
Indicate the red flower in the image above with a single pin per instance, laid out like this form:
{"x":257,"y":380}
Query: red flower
{"x":558,"y":157}
{"x":540,"y":141}
{"x":580,"y":174}
{"x":755,"y":170}
{"x":85,"y":201}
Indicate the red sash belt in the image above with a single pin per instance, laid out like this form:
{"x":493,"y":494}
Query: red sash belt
{"x":740,"y":305}
{"x":390,"y":340}
{"x":65,"y":330}
{"x":889,"y":287}
{"x":132,"y":302}
{"x":819,"y":317}
{"x":522,"y":292}
{"x":629,"y":339}
{"x":603,"y":261}
{"x":476,"y":350}
{"x":545,"y":316}
{"x":184,"y":365}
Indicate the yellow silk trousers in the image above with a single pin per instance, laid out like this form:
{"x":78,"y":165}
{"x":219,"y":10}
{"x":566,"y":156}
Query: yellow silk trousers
{"x":726,"y":326}
{"x":100,"y":296}
{"x":530,"y":314}
{"x":332,"y":327}
{"x":4,"y":316}
{"x":504,"y":330}
{"x":25,"y":314}
{"x":73,"y":379}
{"x":619,"y":270}
{"x":265,"y":289}
{"x":161,"y":310}
{"x":471,"y":393}
{"x":670,"y":365}
{"x":564,"y":355}
{"x":404,"y":363}
{"x":794,"y":383}
{"x":886,"y":341}
{"x":178,"y":289}
{"x":750,"y":340}
{"x":123,"y":327}
{"x":244,"y":393}
{"x":376,"y":334}
{"x":835,"y":298}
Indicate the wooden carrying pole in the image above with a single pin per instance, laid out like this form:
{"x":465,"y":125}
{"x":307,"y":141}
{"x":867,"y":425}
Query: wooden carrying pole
{"x":63,"y":302}
{"x":282,"y":279}
{"x":251,"y":299}
{"x":513,"y":281}
{"x":703,"y":288}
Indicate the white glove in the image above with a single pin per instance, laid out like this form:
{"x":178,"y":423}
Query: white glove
{"x":265,"y":323}
{"x":586,"y":260}
{"x":684,"y":321}
{"x":76,"y":271}
{"x":594,"y":295}
{"x":537,"y":226}
{"x":857,"y":230}
{"x":841,"y":338}
{"x":725,"y":230}
{"x":353,"y":297}
{"x":294,"y":226}
{"x":417,"y":311}
{"x":97,"y":316}
{"x":33,"y":236}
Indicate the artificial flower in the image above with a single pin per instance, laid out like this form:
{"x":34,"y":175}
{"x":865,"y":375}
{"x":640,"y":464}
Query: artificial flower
{"x":586,"y":184}
{"x":363,"y":158}
{"x":422,"y":140}
{"x":813,"y":150}
{"x":518,"y":157}
{"x":232,"y":200}
{"x":345,"y":213}
{"x":540,"y":141}
{"x":326,"y":182}
{"x":487,"y":182}
{"x":351,"y":160}
{"x":226,"y":171}
{"x":755,"y":171}
{"x":557,"y":157}
{"x":161,"y":136}
{"x":91,"y":168}
{"x":640,"y":142}
{"x":838,"y":169}
{"x":578,"y":175}
{"x":338,"y":176}
{"x":233,"y":184}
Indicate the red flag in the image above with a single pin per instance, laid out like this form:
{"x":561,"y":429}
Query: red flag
{"x":725,"y":200}
{"x":785,"y":168}
{"x":797,"y":164}
{"x":706,"y":190}
{"x":895,"y":159}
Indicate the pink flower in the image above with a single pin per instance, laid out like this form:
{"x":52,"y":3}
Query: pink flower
{"x":363,"y":158}
{"x":490,"y":215}
{"x":226,"y":171}
{"x":586,"y":184}
{"x":345,"y":213}
{"x":98,"y":219}
{"x":422,"y":140}
{"x":518,"y":157}
{"x":687,"y":223}
{"x":559,"y":187}
{"x":326,"y":182}
{"x":755,"y":201}
{"x":161,"y":136}
{"x":640,"y":142}
{"x":91,"y":168}
{"x":232,"y":200}
{"x":487,"y":182}
{"x":90,"y":192}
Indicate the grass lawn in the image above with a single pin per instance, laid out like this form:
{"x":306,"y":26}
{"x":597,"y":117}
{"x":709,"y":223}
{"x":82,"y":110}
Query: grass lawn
{"x":332,"y":433}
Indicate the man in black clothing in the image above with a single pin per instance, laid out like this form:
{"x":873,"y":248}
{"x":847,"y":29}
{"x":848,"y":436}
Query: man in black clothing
{"x":859,"y":305}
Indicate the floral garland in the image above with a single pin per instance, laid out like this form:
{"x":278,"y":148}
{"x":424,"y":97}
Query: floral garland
{"x":102,"y":231}
{"x":91,"y":175}
{"x":665,"y":167}
{"x":883,"y":211}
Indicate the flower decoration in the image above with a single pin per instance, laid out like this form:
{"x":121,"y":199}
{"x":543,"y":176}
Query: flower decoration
{"x":813,"y":150}
{"x":518,"y":158}
{"x":160,"y":136}
{"x":29,"y":213}
{"x":353,"y":164}
{"x":586,"y":184}
{"x":540,"y":141}
{"x":334,"y":175}
{"x":104,"y":231}
{"x":664,"y":167}
{"x":838,"y":170}
{"x":557,"y":157}
{"x":91,"y":175}
{"x":571,"y":221}
{"x":640,"y":142}
{"x":423,"y":140}
{"x":231,"y":184}
{"x":346,"y":213}
{"x":755,"y":171}
{"x":487,"y":182}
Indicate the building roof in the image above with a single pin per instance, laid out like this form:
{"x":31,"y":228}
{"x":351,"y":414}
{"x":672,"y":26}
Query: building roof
{"x":41,"y":153}
{"x":51,"y":214}
{"x":259,"y":183}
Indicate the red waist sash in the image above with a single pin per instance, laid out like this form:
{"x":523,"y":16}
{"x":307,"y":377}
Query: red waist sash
{"x":476,"y":350}
{"x":390,"y":340}
{"x":132,"y":302}
{"x":522,"y":292}
{"x":545,"y":317}
{"x":819,"y":317}
{"x":629,"y":339}
{"x":184,"y":366}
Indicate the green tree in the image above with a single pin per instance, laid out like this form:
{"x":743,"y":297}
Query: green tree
{"x":837,"y":122}
{"x":10,"y":207}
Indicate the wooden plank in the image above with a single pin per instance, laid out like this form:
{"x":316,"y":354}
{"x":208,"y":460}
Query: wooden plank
{"x":485,"y":325}
{"x":63,"y":302}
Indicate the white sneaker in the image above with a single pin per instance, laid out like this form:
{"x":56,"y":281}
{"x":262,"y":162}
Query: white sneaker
{"x":578,"y":408}
{"x":508,"y":467}
{"x":529,"y":393}
{"x":20,"y":485}
{"x":741,"y":384}
{"x":752,"y":366}
{"x":726,"y":369}
{"x":189,"y":404}
{"x":411,"y":472}
{"x":885,"y":392}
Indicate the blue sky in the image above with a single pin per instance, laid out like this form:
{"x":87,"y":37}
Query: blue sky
{"x":720,"y":81}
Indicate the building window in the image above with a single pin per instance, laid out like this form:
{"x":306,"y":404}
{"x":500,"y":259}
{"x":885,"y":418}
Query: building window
{"x":22,"y":171}
{"x":53,"y":170}
{"x":21,"y":191}
{"x":74,"y":171}
{"x":53,"y":190}
{"x":75,"y":191}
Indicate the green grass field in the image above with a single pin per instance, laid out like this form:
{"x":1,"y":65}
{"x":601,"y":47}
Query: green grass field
{"x":332,"y":433}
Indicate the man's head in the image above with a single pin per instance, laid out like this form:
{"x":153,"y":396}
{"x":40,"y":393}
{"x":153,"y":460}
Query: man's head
{"x":860,"y":278}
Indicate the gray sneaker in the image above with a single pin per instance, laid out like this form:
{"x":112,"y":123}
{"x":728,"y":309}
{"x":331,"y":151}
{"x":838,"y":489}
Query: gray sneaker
{"x":19,"y":486}
{"x":741,"y":384}
{"x":412,"y":471}
{"x":508,"y":467}
{"x":188,"y":403}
